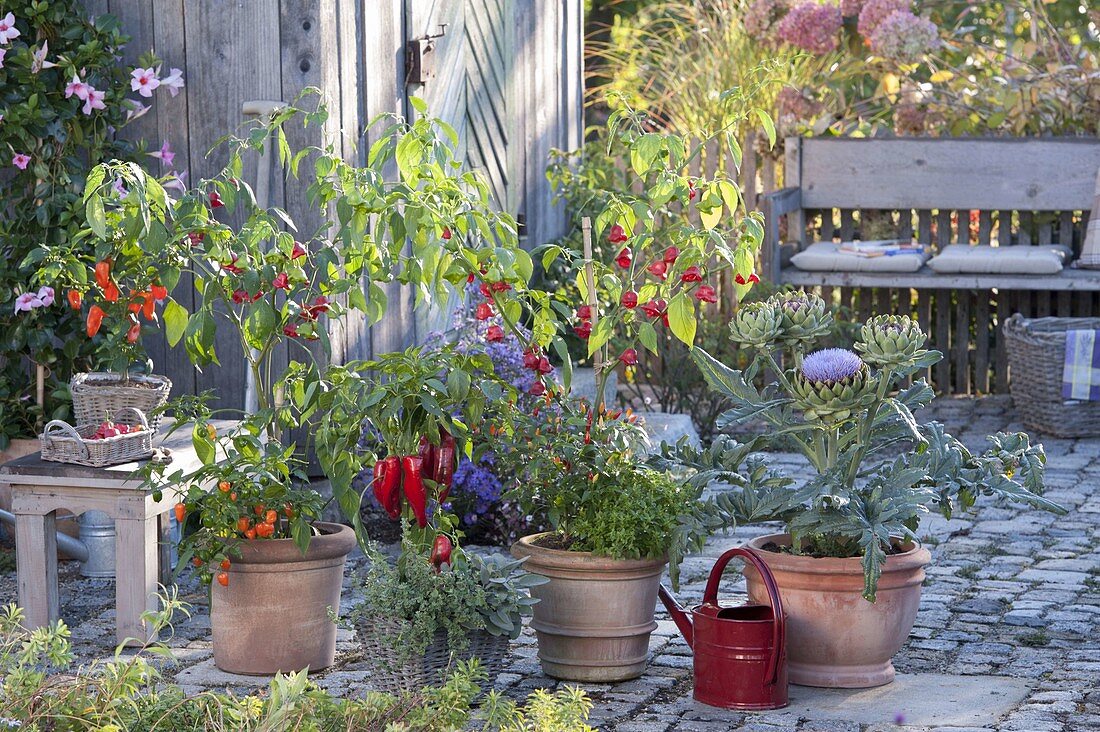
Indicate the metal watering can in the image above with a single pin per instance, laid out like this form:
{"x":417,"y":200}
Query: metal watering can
{"x":740,"y":652}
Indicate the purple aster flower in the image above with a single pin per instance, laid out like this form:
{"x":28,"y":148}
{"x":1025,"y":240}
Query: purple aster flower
{"x":831,"y":365}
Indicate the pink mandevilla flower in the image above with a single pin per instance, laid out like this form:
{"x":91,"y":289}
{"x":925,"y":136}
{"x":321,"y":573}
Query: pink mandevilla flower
{"x":21,"y":160}
{"x":144,"y":81}
{"x":26,"y":302}
{"x":173,"y":82}
{"x":76,"y":88}
{"x":45,"y":294}
{"x":812,"y":27}
{"x":8,"y":31}
{"x":165,"y":154}
{"x":38,"y":58}
{"x":94,"y":101}
{"x":3,"y":53}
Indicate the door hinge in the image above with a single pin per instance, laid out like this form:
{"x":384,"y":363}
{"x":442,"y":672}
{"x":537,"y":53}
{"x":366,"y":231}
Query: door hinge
{"x":420,"y":57}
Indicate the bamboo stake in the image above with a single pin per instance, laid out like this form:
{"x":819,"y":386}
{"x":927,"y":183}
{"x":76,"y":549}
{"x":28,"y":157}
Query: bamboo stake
{"x":598,"y":364}
{"x":40,"y":373}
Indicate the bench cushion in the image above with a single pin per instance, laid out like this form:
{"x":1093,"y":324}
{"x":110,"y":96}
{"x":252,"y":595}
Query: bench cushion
{"x":825,"y":256}
{"x":982,"y":259}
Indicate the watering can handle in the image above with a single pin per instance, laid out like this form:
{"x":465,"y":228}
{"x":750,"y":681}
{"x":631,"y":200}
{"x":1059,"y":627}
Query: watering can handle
{"x":779,"y":633}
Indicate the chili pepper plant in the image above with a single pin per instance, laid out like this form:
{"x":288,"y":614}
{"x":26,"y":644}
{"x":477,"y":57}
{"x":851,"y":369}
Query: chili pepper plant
{"x":275,"y":287}
{"x":877,"y":470}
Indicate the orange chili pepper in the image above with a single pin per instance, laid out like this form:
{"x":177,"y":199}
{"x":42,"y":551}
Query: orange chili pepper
{"x":147,"y":308}
{"x":74,"y":299}
{"x":133,"y":334}
{"x":159,"y":292}
{"x":181,"y":512}
{"x":243,"y":525}
{"x":110,"y":291}
{"x":95,"y":319}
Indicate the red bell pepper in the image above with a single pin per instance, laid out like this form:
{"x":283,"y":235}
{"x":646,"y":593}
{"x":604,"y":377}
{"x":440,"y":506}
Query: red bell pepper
{"x":413,"y":484}
{"x":387,"y":479}
{"x":441,"y":551}
{"x":444,"y":471}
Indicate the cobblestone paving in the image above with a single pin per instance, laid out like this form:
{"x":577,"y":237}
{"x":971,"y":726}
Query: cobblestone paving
{"x":1009,"y":593}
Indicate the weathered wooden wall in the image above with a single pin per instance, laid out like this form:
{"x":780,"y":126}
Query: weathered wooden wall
{"x":509,"y":80}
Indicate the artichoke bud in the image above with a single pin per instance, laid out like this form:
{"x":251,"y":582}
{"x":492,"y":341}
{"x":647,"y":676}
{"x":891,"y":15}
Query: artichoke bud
{"x":802,"y":316}
{"x":891,"y":340}
{"x":756,"y":324}
{"x":832,"y":385}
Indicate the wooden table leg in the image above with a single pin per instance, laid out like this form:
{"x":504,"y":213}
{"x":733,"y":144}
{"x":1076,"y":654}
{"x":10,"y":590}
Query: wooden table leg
{"x":36,"y":568}
{"x":136,"y":566}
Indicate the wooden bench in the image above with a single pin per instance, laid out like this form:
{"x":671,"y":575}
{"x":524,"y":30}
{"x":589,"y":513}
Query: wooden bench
{"x":1025,"y":191}
{"x":1034,"y":191}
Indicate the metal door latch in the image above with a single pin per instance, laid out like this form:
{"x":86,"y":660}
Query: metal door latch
{"x":420,"y":57}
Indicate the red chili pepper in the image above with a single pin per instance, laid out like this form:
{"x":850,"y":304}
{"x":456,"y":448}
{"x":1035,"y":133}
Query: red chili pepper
{"x":103,"y":273}
{"x":413,"y":485}
{"x":444,"y":470}
{"x":95,"y":319}
{"x":74,"y":299}
{"x":133,"y":333}
{"x":148,"y":306}
{"x":441,"y":551}
{"x":110,"y":291}
{"x":387,"y":478}
{"x":160,"y":292}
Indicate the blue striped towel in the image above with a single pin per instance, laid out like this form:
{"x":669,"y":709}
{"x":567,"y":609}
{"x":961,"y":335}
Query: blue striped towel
{"x":1081,"y":372}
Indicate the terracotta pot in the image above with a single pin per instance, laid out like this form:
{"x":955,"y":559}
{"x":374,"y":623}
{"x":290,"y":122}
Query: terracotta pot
{"x":274,"y":615}
{"x":835,"y":638}
{"x":595,"y":615}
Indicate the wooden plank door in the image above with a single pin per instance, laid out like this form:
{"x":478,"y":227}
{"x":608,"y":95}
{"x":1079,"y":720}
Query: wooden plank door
{"x":490,"y":29}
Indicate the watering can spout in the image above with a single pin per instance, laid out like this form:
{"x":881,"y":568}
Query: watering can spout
{"x":679,"y":615}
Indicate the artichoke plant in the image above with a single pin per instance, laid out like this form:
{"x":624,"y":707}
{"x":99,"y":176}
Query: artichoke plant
{"x":877,"y":470}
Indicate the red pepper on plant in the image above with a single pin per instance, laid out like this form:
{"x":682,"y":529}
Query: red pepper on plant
{"x":413,"y":486}
{"x":706,"y":293}
{"x":629,"y":300}
{"x":299,"y":251}
{"x":741,"y":280}
{"x":215,"y":200}
{"x":629,"y":357}
{"x":110,"y":291}
{"x":658,"y":269}
{"x":484,"y":311}
{"x":583,"y":330}
{"x":443,"y":471}
{"x":670,"y":255}
{"x":159,"y":292}
{"x":74,"y":299}
{"x":446,"y":233}
{"x":94,"y":320}
{"x":103,"y":273}
{"x":387,"y":483}
{"x":617,"y":235}
{"x":584,"y":312}
{"x":537,"y":389}
{"x":441,"y":551}
{"x":133,"y":334}
{"x":624,"y":259}
{"x":692,"y":274}
{"x":494,"y":334}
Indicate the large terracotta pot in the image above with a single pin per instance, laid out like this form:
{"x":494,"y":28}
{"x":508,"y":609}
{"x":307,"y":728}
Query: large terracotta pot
{"x":835,"y":638}
{"x":274,"y":614}
{"x":595,"y":615}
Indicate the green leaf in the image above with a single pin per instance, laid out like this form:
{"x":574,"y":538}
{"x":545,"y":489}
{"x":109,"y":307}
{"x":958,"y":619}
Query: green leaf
{"x":681,"y":318}
{"x":647,"y":335}
{"x":601,"y":334}
{"x":97,"y":219}
{"x":204,"y":446}
{"x":175,"y":322}
{"x":769,"y":126}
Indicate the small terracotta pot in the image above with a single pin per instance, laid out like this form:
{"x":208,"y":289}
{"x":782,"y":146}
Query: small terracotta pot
{"x":835,"y":638}
{"x":274,"y":615}
{"x":595,"y":615}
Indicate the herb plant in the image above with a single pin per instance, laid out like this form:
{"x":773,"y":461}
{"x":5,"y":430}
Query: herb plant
{"x":876,"y":469}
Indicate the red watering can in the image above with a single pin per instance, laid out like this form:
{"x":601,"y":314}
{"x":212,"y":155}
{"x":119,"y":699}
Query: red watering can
{"x":740,"y":652}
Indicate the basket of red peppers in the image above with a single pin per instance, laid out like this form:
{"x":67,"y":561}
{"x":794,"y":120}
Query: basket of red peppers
{"x":401,"y":481}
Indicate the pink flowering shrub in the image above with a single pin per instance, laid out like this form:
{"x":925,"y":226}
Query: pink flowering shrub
{"x":876,"y":11}
{"x":66,"y":101}
{"x":812,"y":27}
{"x":903,"y":37}
{"x":850,"y":8}
{"x":761,"y":16}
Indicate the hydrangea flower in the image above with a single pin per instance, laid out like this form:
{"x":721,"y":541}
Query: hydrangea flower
{"x":904,"y":37}
{"x":812,"y":27}
{"x":793,"y":104}
{"x":8,"y":31}
{"x":850,"y":8}
{"x":830,"y":365}
{"x":876,"y":11}
{"x":761,"y":16}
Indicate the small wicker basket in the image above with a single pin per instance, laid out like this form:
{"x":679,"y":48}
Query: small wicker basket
{"x":98,"y":394}
{"x":63,"y":443}
{"x":394,"y":673}
{"x":1036,"y":355}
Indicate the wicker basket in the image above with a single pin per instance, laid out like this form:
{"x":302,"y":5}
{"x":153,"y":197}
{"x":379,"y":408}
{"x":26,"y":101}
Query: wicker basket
{"x":63,"y":443}
{"x":393,"y":673}
{"x":98,"y":394}
{"x":1036,"y":355}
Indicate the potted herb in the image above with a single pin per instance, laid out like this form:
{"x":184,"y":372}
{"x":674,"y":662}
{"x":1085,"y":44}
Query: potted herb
{"x":849,"y":566}
{"x":613,"y":520}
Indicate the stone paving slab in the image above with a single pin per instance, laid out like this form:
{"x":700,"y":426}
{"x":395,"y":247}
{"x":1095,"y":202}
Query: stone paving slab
{"x":1011,"y":602}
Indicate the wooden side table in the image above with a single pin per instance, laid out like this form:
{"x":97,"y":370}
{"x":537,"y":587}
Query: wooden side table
{"x":39,"y":489}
